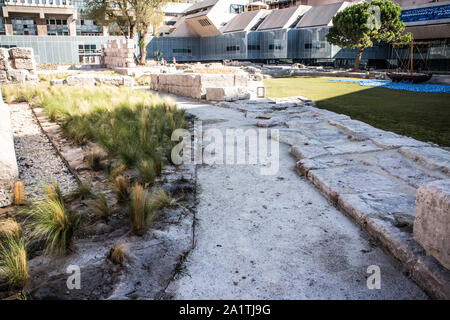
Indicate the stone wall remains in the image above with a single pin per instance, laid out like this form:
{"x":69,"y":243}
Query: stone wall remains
{"x":17,"y":65}
{"x":8,"y":165}
{"x":432,"y":222}
{"x":195,"y":85}
{"x":118,"y":54}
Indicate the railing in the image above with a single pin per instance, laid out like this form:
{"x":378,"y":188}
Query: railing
{"x":39,"y":3}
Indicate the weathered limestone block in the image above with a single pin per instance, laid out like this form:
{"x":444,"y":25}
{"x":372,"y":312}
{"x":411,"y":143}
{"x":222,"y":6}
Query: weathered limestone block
{"x":406,"y":170}
{"x":31,"y":77}
{"x":430,"y":157}
{"x":351,"y":179}
{"x":15,"y":75}
{"x":352,"y":147}
{"x":94,"y":79}
{"x":8,"y":165}
{"x":24,"y":53}
{"x":4,"y":54}
{"x":397,"y":142}
{"x":128,"y":81}
{"x":432,"y":223}
{"x":154,"y":81}
{"x":27,"y":64}
{"x":4,"y":64}
{"x":308,"y":151}
{"x":109,"y":80}
{"x":390,"y":205}
{"x":269,"y":123}
{"x":3,"y":76}
{"x":54,"y":82}
{"x":80,"y":80}
{"x":291,"y":137}
{"x":240,"y":81}
{"x":217,"y":80}
{"x":222,"y":93}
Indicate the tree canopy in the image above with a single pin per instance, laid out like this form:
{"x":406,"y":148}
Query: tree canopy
{"x":131,"y":17}
{"x":360,"y":25}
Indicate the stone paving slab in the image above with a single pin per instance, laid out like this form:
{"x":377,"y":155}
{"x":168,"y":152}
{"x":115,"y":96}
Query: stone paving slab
{"x":430,"y":157}
{"x":351,"y":179}
{"x":371,"y":174}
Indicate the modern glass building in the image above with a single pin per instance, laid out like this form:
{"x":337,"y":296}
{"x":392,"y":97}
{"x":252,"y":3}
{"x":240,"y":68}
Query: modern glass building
{"x":215,"y":30}
{"x":300,"y":36}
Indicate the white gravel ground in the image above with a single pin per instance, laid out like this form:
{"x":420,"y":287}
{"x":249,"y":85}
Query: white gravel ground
{"x":37,"y":159}
{"x":276,"y":236}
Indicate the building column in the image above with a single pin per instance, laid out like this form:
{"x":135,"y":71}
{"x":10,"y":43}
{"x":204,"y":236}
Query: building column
{"x":41,"y":26}
{"x":72,"y":23}
{"x":8,"y":27}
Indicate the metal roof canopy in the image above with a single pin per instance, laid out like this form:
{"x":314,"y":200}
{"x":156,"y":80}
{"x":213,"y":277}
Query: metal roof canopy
{"x":282,"y":18}
{"x":243,"y":20}
{"x":319,"y":15}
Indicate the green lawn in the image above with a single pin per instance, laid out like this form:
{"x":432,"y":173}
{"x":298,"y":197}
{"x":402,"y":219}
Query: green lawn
{"x":423,"y":116}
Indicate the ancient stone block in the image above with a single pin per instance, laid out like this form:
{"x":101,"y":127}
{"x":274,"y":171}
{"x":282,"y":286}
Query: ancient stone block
{"x":27,"y":64}
{"x":54,"y":82}
{"x":308,"y":151}
{"x":4,"y":64}
{"x":430,"y":157}
{"x":8,"y":165}
{"x":397,"y":142}
{"x":3,"y":76}
{"x":15,"y":75}
{"x":222,"y":93}
{"x":4,"y":54}
{"x":128,"y":81}
{"x":406,"y":170}
{"x":23,"y":53}
{"x":80,"y":80}
{"x":351,"y":179}
{"x":382,"y":203}
{"x":432,"y":223}
{"x":31,"y":77}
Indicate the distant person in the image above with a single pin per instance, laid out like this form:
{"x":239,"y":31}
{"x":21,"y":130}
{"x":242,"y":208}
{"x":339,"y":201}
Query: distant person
{"x":174,"y":61}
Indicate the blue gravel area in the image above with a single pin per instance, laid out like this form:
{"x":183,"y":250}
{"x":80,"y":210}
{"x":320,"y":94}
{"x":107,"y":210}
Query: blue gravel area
{"x":407,"y":86}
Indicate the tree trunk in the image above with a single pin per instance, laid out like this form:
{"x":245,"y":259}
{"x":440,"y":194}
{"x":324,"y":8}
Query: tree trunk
{"x":358,"y":59}
{"x":142,"y":48}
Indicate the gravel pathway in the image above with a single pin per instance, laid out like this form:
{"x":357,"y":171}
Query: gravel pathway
{"x":37,"y":160}
{"x":276,"y":236}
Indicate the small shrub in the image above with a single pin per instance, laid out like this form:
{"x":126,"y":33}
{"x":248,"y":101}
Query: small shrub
{"x":143,"y":81}
{"x":121,"y":188}
{"x":50,"y":76}
{"x":9,"y":228}
{"x":100,"y":207}
{"x":83,"y":192}
{"x":13,"y":261}
{"x":18,"y":193}
{"x":140,"y":210}
{"x":53,"y":192}
{"x":116,"y":171}
{"x":52,"y":222}
{"x":117,"y":254}
{"x":161,"y":200}
{"x":94,"y":160}
{"x":147,"y":172}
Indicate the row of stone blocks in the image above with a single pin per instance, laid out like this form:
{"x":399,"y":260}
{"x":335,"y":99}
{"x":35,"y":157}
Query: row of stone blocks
{"x":395,"y":187}
{"x":17,"y":65}
{"x":195,"y":85}
{"x":8,"y":165}
{"x":90,"y":79}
